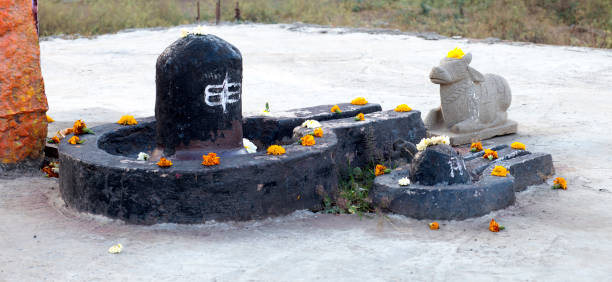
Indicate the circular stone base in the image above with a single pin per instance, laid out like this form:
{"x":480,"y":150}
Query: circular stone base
{"x":102,"y":176}
{"x":444,"y":202}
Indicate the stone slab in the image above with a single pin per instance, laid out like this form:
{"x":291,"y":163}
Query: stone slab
{"x":509,"y":127}
{"x":442,"y":202}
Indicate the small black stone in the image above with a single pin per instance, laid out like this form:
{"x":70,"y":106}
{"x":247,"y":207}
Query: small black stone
{"x":439,"y":164}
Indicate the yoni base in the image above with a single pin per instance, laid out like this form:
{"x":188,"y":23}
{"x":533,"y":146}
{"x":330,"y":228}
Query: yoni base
{"x":466,"y":138}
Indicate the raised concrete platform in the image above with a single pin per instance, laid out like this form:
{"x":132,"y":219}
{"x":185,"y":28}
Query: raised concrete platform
{"x":509,"y":127}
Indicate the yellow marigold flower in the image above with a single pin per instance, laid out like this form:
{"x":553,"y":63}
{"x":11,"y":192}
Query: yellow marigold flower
{"x":455,"y":53}
{"x":115,"y":249}
{"x":360,"y":117}
{"x":359,"y":101}
{"x":163,"y":162}
{"x":307,"y":140}
{"x":276,"y":150}
{"x":499,"y":171}
{"x":476,"y":147}
{"x":518,"y":146}
{"x":560,"y":183}
{"x":318,"y":132}
{"x":380,"y":170}
{"x":434,"y":226}
{"x":210,"y":159}
{"x":494,"y":226}
{"x":402,"y":108}
{"x":336,"y":109}
{"x":490,"y":154}
{"x":49,"y":119}
{"x":127,"y":120}
{"x":79,"y":127}
{"x":74,"y":140}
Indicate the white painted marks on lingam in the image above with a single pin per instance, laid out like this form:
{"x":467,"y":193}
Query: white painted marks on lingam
{"x":222,"y":95}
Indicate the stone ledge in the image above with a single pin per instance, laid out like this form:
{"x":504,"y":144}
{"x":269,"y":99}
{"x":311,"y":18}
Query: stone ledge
{"x":509,"y":127}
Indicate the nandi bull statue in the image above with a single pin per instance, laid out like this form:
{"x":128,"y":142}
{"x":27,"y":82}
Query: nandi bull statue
{"x":473,"y":105}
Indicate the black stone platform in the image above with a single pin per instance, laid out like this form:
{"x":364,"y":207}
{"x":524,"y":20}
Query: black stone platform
{"x":487,"y":193}
{"x":102,"y":175}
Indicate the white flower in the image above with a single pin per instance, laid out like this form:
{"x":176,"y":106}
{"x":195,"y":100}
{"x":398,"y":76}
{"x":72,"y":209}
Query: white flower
{"x":142,"y":156}
{"x":115,"y":249}
{"x":199,"y":30}
{"x":404,"y":181}
{"x":249,"y":146}
{"x":436,"y":140}
{"x":311,"y":124}
{"x":184,"y":32}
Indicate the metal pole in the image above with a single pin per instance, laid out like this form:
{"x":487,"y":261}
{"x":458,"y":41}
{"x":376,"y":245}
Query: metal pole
{"x":198,"y":17}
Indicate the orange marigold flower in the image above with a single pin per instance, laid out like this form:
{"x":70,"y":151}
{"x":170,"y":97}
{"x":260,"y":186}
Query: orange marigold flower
{"x":49,"y":171}
{"x":276,"y":150}
{"x":494,"y":226}
{"x":55,"y":140}
{"x":336,"y":109}
{"x":74,"y":140}
{"x":359,"y":101}
{"x":499,"y":171}
{"x":518,"y":146}
{"x":127,"y":120}
{"x":360,"y":117}
{"x":380,"y":170}
{"x":560,"y":183}
{"x":402,"y":108}
{"x":210,"y":159}
{"x":434,"y":226}
{"x":476,"y":147}
{"x":307,"y":140}
{"x":49,"y":119}
{"x":163,"y":162}
{"x":79,"y":127}
{"x":490,"y":154}
{"x":318,"y":132}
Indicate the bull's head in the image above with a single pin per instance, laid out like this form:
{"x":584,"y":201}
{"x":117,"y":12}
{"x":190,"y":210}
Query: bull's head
{"x":452,"y":70}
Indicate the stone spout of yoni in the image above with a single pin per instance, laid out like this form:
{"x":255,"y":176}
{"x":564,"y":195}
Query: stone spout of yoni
{"x":198,"y":107}
{"x":470,"y":101}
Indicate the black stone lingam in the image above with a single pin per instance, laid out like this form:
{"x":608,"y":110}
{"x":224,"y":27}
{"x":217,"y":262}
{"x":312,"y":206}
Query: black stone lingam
{"x":199,"y":105}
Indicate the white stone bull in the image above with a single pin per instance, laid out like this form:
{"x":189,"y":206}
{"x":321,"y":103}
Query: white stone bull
{"x":470,"y":101}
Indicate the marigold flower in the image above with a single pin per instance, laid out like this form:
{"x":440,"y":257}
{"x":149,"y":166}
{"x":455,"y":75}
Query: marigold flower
{"x":359,"y":101}
{"x":318,"y":132}
{"x":336,"y":109}
{"x":127,"y":120}
{"x":307,"y":140}
{"x":48,"y":170}
{"x":380,"y":170}
{"x":499,"y":171}
{"x":403,"y":108}
{"x":74,"y":140}
{"x":360,"y":117}
{"x":115,"y":249}
{"x":455,"y":53}
{"x":490,"y":154}
{"x":434,"y":226}
{"x":476,"y":147}
{"x":518,"y":146}
{"x":495,"y":227}
{"x":560,"y":183}
{"x":80,"y":127}
{"x":54,"y":140}
{"x":276,"y":150}
{"x":210,"y":159}
{"x":163,"y":162}
{"x":49,"y":119}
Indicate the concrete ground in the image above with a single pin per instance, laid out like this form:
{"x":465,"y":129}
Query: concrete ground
{"x":561,"y":101}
